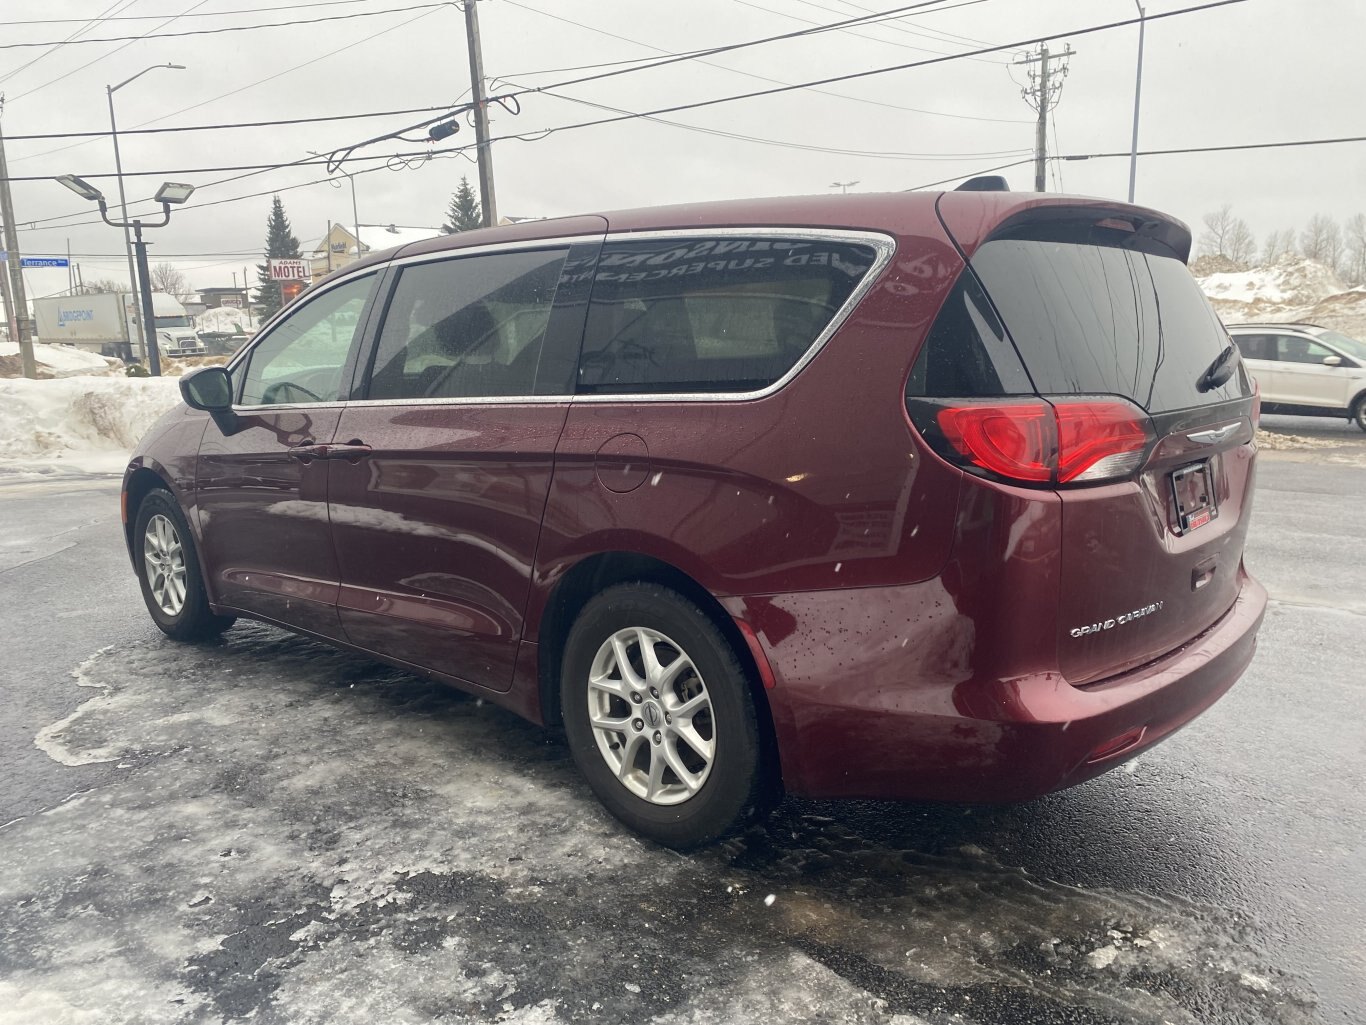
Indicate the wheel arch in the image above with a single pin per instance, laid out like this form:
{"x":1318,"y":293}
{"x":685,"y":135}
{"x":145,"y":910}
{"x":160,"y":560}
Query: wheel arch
{"x":597,"y":572}
{"x":136,"y":486}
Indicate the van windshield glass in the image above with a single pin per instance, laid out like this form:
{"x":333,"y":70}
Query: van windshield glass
{"x":1091,"y":319}
{"x":173,"y":321}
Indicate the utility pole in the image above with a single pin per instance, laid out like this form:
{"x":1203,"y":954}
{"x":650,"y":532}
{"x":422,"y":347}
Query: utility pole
{"x":1042,"y":93}
{"x":1138,"y":99}
{"x":487,"y":202}
{"x":20,"y":327}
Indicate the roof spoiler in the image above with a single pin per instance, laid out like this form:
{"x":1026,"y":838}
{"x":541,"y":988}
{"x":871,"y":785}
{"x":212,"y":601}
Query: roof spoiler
{"x":985,"y":183}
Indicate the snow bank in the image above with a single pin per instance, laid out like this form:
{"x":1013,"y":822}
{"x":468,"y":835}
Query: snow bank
{"x":87,"y":424}
{"x":1291,"y":290}
{"x":54,"y":360}
{"x":226,"y":320}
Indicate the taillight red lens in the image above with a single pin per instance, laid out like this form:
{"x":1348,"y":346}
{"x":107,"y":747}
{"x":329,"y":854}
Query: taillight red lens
{"x":1067,"y":441}
{"x":1017,"y":440}
{"x":1099,"y":440}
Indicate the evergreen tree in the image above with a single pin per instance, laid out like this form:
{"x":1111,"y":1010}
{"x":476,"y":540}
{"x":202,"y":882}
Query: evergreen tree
{"x":280,"y":244}
{"x":463,"y":213}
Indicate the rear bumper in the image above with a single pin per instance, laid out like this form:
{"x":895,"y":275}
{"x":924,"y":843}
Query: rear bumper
{"x":863,"y":710}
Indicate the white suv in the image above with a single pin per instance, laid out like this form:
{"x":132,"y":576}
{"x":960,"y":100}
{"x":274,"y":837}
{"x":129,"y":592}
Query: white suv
{"x":1304,"y":369}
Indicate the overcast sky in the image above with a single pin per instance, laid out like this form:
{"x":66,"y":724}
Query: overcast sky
{"x":1256,"y":71}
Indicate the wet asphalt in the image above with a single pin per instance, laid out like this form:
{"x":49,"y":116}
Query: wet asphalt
{"x":265,"y":830}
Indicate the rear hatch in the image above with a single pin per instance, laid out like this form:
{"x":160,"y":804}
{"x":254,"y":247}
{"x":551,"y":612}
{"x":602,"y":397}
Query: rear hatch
{"x":1124,"y":398}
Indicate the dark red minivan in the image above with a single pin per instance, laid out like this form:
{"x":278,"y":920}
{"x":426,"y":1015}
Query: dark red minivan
{"x":924,"y":496}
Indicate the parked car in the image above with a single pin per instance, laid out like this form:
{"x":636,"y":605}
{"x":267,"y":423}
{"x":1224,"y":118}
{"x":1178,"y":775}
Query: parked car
{"x":911,"y":496}
{"x":1305,"y":369}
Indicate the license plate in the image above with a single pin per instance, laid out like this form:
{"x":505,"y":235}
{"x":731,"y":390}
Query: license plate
{"x":1191,"y":486}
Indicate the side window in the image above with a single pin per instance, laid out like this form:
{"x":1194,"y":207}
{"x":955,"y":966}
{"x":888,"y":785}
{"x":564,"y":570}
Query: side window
{"x":1256,"y":346}
{"x":1294,"y":349}
{"x":467,"y":327}
{"x":723,"y":314}
{"x":301,"y":360}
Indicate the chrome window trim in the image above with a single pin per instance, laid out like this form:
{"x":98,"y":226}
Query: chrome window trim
{"x":489,"y":248}
{"x":883,"y":245}
{"x":884,"y":248}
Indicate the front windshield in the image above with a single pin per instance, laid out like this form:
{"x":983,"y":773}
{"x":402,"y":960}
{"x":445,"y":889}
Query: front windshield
{"x":183,"y":321}
{"x":1353,"y":348}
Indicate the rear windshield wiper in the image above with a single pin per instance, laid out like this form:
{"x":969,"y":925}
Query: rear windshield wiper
{"x":1219,"y":371}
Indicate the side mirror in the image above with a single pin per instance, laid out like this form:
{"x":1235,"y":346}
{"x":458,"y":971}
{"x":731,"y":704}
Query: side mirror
{"x":1332,"y":361}
{"x":210,"y":389}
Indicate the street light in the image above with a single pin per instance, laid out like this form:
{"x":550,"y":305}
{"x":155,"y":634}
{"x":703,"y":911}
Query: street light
{"x":118,"y":167}
{"x":844,"y":187}
{"x":1138,"y":93}
{"x":355,"y":217}
{"x":170,"y":193}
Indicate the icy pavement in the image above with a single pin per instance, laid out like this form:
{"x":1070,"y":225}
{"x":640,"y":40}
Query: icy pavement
{"x":296,"y":835}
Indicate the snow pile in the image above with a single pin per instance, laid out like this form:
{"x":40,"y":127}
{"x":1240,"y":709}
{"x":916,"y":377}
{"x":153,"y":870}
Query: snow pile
{"x":1293,"y":289}
{"x":54,"y":360}
{"x":224,"y":320}
{"x":1291,"y":281}
{"x":87,"y":424}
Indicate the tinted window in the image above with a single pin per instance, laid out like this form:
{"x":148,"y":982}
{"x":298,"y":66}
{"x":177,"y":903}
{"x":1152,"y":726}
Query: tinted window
{"x":470,"y":327}
{"x":1103,"y":320}
{"x":1256,"y":346}
{"x":711,"y":314}
{"x":1293,"y":349}
{"x":967,"y":352}
{"x":302,"y":357}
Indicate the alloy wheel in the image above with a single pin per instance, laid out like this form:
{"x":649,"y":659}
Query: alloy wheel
{"x":651,"y":716}
{"x":163,"y":557}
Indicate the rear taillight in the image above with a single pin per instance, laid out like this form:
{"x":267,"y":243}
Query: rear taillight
{"x":1033,"y":441}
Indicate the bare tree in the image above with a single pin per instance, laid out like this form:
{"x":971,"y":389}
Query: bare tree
{"x":166,"y":278}
{"x":1278,"y":244}
{"x":1354,"y":261}
{"x":1241,"y":243}
{"x":1322,"y":240}
{"x":1228,"y":237}
{"x":94,"y":286}
{"x":1214,"y":240}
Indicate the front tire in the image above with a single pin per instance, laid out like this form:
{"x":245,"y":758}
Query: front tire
{"x":660,"y":716}
{"x":168,"y":570}
{"x":1359,"y":413}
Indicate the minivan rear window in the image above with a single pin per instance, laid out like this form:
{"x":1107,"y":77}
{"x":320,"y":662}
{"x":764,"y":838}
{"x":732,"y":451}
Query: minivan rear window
{"x":1091,"y":319}
{"x":712,"y":314}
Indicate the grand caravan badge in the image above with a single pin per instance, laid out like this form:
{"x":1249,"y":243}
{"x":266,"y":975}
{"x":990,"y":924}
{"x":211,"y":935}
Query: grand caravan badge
{"x":1120,"y":620}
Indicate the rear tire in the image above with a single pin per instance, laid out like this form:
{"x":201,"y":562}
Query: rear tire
{"x":1359,"y":412}
{"x":168,"y":570}
{"x":660,"y":716}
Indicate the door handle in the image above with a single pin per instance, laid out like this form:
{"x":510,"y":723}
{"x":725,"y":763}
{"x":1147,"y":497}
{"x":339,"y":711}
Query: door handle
{"x":351,"y":450}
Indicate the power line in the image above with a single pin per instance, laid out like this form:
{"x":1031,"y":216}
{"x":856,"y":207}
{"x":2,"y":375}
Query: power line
{"x":206,"y":14}
{"x":808,"y":147}
{"x":108,"y":53}
{"x":696,"y":54}
{"x":927,"y":62}
{"x":240,"y":89}
{"x":1220,"y":149}
{"x":89,"y":24}
{"x":70,"y":41}
{"x":1016,"y":45}
{"x":888,"y":42}
{"x":103,"y":133}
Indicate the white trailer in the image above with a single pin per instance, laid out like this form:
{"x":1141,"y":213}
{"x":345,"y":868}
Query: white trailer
{"x":107,"y":323}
